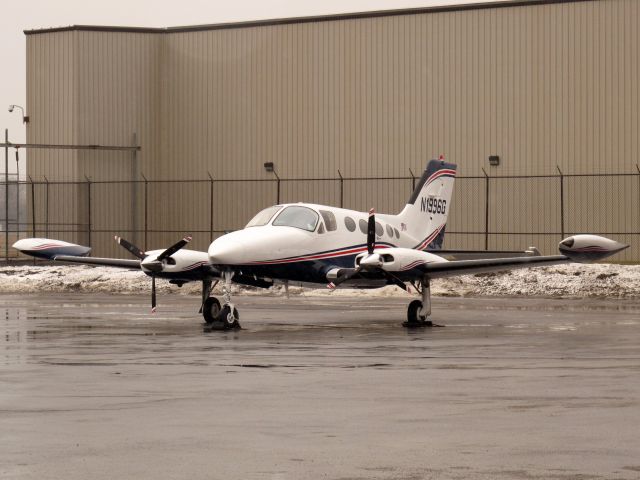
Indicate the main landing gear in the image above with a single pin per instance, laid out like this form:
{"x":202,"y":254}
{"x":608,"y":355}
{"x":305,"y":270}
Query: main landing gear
{"x":222,"y":317}
{"x":419,"y":310}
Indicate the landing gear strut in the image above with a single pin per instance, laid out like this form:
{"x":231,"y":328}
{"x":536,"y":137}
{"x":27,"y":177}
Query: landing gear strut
{"x":229,"y":315}
{"x":223,"y":317}
{"x":420,"y":310}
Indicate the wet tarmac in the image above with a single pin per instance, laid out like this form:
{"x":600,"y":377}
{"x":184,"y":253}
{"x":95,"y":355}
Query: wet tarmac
{"x":93,"y":386}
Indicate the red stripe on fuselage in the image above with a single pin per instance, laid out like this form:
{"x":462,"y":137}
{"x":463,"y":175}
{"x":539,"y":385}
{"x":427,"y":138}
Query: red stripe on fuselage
{"x":310,"y":257}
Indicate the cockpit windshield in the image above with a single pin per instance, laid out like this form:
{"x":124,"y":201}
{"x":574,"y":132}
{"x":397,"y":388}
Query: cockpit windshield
{"x":263,"y":217}
{"x":298,"y":217}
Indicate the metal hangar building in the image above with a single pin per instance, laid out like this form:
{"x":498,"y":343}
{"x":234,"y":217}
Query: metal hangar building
{"x":536,"y":101}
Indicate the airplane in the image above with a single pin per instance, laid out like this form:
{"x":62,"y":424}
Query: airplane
{"x":317,"y":244}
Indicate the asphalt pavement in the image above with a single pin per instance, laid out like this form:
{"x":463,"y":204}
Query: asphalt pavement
{"x":94,"y":386}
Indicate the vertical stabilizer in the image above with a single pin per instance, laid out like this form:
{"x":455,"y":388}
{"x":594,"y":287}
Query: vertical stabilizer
{"x":425,"y":215}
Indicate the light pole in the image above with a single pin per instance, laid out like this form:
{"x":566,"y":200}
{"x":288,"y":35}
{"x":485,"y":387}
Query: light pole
{"x":25,"y":118}
{"x":6,"y":194}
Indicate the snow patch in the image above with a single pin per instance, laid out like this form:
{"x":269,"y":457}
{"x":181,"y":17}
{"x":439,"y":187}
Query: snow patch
{"x":575,"y":280}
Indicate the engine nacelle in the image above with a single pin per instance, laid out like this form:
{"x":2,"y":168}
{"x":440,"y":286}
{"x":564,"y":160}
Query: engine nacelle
{"x":589,"y":248}
{"x":399,"y":259}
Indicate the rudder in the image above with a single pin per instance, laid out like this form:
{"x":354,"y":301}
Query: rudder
{"x":425,"y":215}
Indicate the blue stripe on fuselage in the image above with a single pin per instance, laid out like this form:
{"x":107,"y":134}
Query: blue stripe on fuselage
{"x":325,"y":252}
{"x":311,"y":271}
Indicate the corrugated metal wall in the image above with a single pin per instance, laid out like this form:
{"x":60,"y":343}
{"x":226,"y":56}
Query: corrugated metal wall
{"x":51,"y":96}
{"x":542,"y":86}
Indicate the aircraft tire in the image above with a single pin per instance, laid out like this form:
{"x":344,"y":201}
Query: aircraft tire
{"x":229,"y":322}
{"x":211,"y":310}
{"x":413,"y":315}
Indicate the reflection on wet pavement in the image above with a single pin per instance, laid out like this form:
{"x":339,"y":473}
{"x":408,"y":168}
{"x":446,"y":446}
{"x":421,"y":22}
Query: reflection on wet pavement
{"x":319,"y":387}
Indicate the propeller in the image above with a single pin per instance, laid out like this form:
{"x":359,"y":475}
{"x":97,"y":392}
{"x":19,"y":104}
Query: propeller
{"x":174,"y":248}
{"x":154,"y":266}
{"x":371,"y":261}
{"x":371,"y":232}
{"x":130,"y":247}
{"x":371,"y":245}
{"x":153,"y":294}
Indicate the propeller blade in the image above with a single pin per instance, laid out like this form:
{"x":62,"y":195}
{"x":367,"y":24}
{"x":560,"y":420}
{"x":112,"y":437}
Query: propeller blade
{"x":174,"y":248}
{"x":131,"y":248}
{"x":371,"y":232}
{"x":153,"y":294}
{"x":343,"y":278}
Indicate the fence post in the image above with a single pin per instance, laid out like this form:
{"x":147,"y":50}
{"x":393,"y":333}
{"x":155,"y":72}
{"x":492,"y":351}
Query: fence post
{"x":33,"y":207}
{"x":6,"y":195}
{"x":88,"y":210}
{"x":561,"y":201}
{"x":17,"y":194}
{"x":486,"y":210}
{"x":210,"y":207}
{"x":413,"y":181}
{"x":341,"y":189}
{"x":146,"y":203}
{"x":277,"y":187}
{"x":638,"y":169}
{"x":46,"y":206}
{"x":134,"y":189}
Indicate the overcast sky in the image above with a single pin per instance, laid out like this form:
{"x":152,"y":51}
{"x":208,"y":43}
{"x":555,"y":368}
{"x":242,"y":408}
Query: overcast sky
{"x":18,"y":15}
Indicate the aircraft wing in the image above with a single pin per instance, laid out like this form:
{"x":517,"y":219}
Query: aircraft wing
{"x":465,"y":267}
{"x":483,"y":254}
{"x":399,"y":265}
{"x":452,"y":268}
{"x":577,"y":248}
{"x":187,"y":265}
{"x":107,"y":262}
{"x":60,"y":251}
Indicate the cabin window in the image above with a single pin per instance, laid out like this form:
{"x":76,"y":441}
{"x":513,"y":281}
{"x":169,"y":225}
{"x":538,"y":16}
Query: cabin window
{"x":263,"y":217}
{"x":321,"y":228}
{"x":363,"y":226}
{"x":350,"y":223}
{"x":379,"y":230}
{"x":329,"y":220}
{"x":297,"y":217}
{"x":397,"y":233}
{"x":390,"y":231}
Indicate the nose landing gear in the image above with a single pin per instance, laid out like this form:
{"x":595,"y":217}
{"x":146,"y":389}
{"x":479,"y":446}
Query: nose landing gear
{"x":419,"y":310}
{"x":225,"y":317}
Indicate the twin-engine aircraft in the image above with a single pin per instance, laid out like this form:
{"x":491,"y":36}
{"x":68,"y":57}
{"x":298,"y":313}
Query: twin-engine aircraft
{"x":317,"y":244}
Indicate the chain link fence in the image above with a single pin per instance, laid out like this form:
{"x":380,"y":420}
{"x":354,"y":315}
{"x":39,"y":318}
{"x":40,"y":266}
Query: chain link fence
{"x":488,"y":213}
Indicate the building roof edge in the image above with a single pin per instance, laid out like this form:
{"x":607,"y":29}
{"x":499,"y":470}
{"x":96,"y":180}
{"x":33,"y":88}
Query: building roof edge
{"x":311,"y":19}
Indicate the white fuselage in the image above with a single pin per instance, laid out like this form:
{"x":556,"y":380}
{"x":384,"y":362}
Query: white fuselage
{"x":304,"y":254}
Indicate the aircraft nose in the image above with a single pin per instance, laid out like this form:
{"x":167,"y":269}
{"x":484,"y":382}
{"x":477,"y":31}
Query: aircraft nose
{"x":227,"y":250}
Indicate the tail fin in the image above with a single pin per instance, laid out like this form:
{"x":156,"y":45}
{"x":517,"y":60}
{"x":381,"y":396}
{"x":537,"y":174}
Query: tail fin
{"x":425,"y":215}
